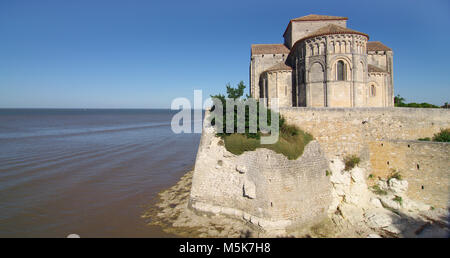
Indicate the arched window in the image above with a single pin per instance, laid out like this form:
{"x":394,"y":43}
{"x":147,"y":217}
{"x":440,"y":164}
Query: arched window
{"x":373,"y":91}
{"x":340,"y":71}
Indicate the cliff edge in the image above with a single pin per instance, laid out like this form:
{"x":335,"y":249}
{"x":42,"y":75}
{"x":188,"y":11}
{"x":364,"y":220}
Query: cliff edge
{"x":261,"y":186}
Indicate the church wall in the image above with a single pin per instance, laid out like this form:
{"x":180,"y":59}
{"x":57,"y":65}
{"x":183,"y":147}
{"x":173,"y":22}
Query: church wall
{"x":301,"y":29}
{"x":322,"y":89}
{"x":260,"y":63}
{"x":317,"y":94}
{"x":360,"y":82}
{"x":390,"y":84}
{"x":285,"y":89}
{"x":379,"y":99}
{"x":360,"y":91}
{"x":316,"y":79}
{"x":339,"y":94}
{"x":280,"y":86}
{"x":322,"y":86}
{"x":378,"y":58}
{"x":288,"y":37}
{"x":272,"y":86}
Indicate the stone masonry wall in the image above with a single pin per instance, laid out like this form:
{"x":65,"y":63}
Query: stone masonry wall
{"x":343,"y":131}
{"x":260,"y":186}
{"x":386,"y":139}
{"x":425,"y":165}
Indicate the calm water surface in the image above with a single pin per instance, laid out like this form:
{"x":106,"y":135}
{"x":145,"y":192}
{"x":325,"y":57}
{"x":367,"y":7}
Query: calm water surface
{"x":88,"y":172}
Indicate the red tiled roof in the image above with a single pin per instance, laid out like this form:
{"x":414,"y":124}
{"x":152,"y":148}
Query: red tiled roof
{"x":317,"y":17}
{"x":376,"y":46}
{"x":333,"y":29}
{"x":259,"y":49}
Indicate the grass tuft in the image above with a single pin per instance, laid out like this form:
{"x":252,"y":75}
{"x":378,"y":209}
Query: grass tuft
{"x":398,"y":199}
{"x":394,"y":174}
{"x":377,"y":190}
{"x":351,"y":161}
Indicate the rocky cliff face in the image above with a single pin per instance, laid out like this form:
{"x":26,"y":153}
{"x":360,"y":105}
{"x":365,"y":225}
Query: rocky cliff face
{"x":261,"y":186}
{"x":386,"y":211}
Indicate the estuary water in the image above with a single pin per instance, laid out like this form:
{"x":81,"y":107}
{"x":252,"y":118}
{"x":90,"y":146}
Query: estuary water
{"x":87,"y":172}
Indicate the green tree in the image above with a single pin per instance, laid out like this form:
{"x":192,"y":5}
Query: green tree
{"x":398,"y":100}
{"x":235,"y":93}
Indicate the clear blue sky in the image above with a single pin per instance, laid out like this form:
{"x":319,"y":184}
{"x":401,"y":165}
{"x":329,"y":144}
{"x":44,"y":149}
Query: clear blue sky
{"x":142,"y":54}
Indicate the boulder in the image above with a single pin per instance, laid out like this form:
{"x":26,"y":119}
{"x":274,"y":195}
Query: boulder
{"x":249,"y":189}
{"x":377,"y":219}
{"x":398,"y":187}
{"x":376,"y":202}
{"x":388,"y":202}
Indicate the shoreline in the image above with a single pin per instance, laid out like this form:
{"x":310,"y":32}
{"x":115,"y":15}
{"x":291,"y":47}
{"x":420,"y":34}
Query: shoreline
{"x":169,"y":211}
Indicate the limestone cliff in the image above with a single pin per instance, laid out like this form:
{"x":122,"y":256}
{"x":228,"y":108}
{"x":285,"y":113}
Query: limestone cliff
{"x":261,"y":186}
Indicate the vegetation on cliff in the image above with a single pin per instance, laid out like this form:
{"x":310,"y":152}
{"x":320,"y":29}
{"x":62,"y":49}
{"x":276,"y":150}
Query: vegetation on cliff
{"x":351,"y":161}
{"x":289,"y":144}
{"x":442,"y":136}
{"x":291,"y":141}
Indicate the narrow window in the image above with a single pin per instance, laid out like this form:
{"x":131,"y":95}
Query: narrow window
{"x":373,"y":91}
{"x":303,"y":76}
{"x":340,"y":71}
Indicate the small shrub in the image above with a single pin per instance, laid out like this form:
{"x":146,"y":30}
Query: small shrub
{"x":398,"y":199}
{"x":395,"y":174}
{"x":328,"y":173}
{"x":291,"y":142}
{"x":350,"y":162}
{"x":371,"y":176}
{"x":377,"y":190}
{"x":442,"y":136}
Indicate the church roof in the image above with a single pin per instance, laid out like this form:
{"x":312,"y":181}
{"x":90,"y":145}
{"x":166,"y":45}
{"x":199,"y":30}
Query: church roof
{"x":259,"y":49}
{"x":375,"y":69}
{"x":333,"y":29}
{"x":377,"y":46}
{"x":314,"y":17}
{"x":317,"y":17}
{"x":279,"y":67}
{"x":328,"y":30}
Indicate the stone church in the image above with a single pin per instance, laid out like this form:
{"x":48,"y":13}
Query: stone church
{"x":322,"y":63}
